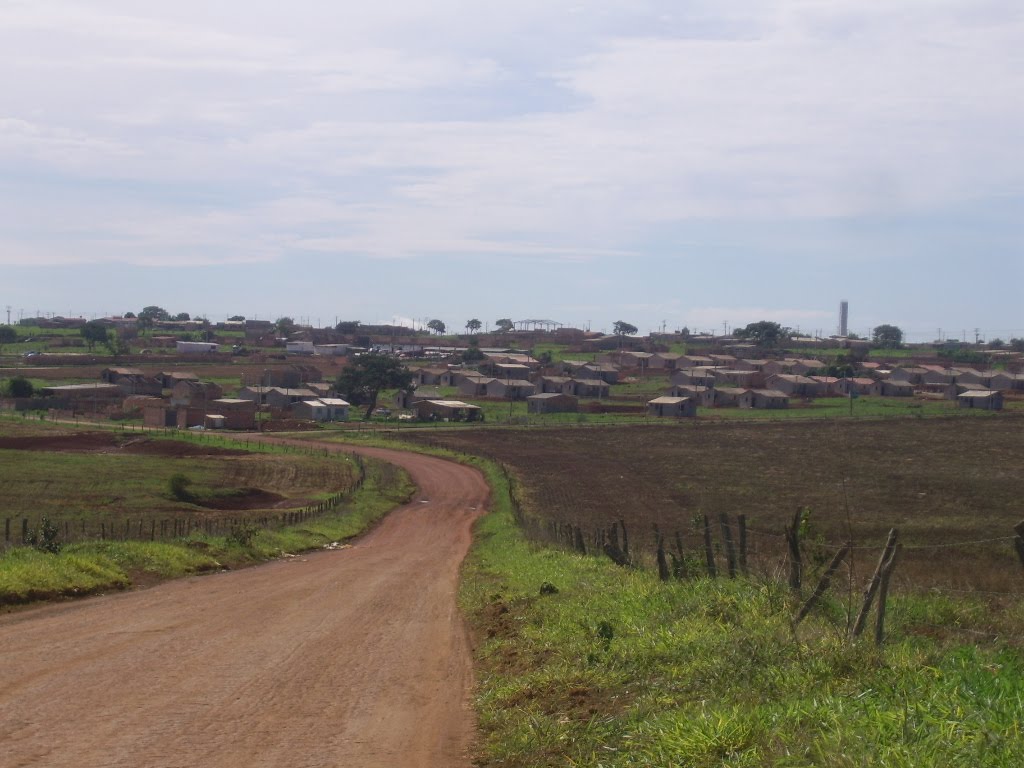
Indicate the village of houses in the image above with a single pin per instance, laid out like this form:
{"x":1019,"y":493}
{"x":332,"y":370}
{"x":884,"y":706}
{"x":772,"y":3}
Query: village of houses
{"x":453,"y":391}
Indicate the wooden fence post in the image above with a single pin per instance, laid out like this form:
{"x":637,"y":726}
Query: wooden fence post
{"x":883,"y":593}
{"x":709,"y":550}
{"x":730,"y":549}
{"x":7,"y":530}
{"x":625,"y":540}
{"x":872,"y":588}
{"x":795,"y":564}
{"x":823,"y":585}
{"x":742,"y":521}
{"x":663,"y":572}
{"x":679,"y":559}
{"x":1018,"y":541}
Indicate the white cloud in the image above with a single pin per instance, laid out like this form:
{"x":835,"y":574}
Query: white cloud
{"x":396,"y":130}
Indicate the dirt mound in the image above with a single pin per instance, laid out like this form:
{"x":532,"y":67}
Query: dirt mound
{"x":107,"y":442}
{"x":244,"y":498}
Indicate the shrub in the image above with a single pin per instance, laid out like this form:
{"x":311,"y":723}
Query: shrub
{"x":178,"y":485}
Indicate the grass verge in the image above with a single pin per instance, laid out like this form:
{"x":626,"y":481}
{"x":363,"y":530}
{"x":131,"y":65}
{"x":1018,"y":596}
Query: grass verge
{"x":28,"y":575}
{"x":582,"y":663}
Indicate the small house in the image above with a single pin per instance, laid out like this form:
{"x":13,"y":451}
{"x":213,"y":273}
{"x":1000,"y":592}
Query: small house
{"x":891,"y":388}
{"x":510,"y":389}
{"x":237,"y":413}
{"x":991,"y":400}
{"x":764,"y":398}
{"x":552,"y":402}
{"x":447,"y":410}
{"x":672,"y":407}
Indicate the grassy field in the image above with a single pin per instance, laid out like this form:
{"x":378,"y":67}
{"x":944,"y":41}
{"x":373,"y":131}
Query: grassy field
{"x":582,"y":663}
{"x":93,"y":481}
{"x":28,"y":574}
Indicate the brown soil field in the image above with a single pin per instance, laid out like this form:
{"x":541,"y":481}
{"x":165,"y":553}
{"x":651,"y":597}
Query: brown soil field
{"x":938,"y":481}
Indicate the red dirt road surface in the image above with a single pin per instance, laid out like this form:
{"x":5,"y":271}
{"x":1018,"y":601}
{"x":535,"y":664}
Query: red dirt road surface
{"x":355,"y":657}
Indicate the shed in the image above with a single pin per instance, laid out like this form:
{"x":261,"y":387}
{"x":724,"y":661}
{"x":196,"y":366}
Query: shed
{"x":764,"y":398}
{"x":990,"y":400}
{"x":552,"y":402}
{"x":447,"y":410}
{"x":672,"y":407}
{"x":237,"y":413}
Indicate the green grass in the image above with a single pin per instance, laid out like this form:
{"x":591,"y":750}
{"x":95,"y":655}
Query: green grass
{"x":618,"y":669}
{"x":28,"y":575}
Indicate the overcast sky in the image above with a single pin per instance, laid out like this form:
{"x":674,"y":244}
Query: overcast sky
{"x":679,"y":163}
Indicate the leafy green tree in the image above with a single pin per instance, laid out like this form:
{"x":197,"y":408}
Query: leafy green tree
{"x":437,"y":326}
{"x":129,"y":315}
{"x":19,"y":386}
{"x":285,"y":326}
{"x":7,"y":335}
{"x":182,"y":316}
{"x":149,"y":315}
{"x":887,"y":336}
{"x":622,"y":328}
{"x":361,"y":382}
{"x":504,"y":325}
{"x":94,"y":332}
{"x":997,"y":343}
{"x":473,"y":325}
{"x":1017,"y":345}
{"x":764,"y":333}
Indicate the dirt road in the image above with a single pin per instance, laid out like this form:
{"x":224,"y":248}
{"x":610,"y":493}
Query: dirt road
{"x":355,"y":657}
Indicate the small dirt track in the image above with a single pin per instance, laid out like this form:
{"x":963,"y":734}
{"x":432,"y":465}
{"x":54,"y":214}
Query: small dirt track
{"x":355,"y":657}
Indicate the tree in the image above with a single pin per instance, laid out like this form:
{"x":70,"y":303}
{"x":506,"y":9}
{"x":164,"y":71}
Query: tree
{"x":347,"y":327}
{"x":622,"y":328}
{"x":128,"y":315}
{"x":361,"y":382}
{"x":182,"y":317}
{"x":997,"y":343}
{"x":504,"y":324}
{"x":473,"y":353}
{"x":764,"y":333}
{"x":149,"y":315}
{"x":285,"y":326}
{"x":7,"y":335}
{"x":887,"y":337}
{"x":94,"y":332}
{"x":437,"y":327}
{"x":19,"y":386}
{"x":473,"y":325}
{"x":1017,"y":345}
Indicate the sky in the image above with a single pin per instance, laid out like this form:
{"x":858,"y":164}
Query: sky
{"x":699,"y":164}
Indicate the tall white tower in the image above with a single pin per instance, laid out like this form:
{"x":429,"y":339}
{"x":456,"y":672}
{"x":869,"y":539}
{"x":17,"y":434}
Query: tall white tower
{"x":844,"y":316}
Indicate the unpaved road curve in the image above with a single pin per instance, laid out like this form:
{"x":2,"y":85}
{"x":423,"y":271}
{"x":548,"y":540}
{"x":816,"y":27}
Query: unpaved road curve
{"x":355,"y":657}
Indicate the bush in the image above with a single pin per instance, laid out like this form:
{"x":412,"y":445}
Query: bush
{"x":178,"y":485}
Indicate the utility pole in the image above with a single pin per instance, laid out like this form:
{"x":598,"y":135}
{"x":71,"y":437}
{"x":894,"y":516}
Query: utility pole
{"x":8,"y":314}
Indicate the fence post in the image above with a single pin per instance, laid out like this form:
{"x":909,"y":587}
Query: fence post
{"x":883,"y":593}
{"x":7,"y":530}
{"x":730,"y":550}
{"x":742,"y":521}
{"x":679,"y":559}
{"x":709,"y":550}
{"x":24,"y":530}
{"x":823,"y":585}
{"x":1018,"y":541}
{"x":795,"y":565}
{"x":872,"y":588}
{"x":663,"y":571}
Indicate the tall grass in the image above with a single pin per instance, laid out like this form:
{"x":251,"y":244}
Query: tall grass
{"x":617,"y":669}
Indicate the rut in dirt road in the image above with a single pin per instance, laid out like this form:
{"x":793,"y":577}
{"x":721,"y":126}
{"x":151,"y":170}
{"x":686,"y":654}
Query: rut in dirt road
{"x":356,"y":657}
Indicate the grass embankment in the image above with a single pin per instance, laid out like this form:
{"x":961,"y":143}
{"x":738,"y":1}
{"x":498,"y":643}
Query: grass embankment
{"x":28,"y":574}
{"x":619,"y":669}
